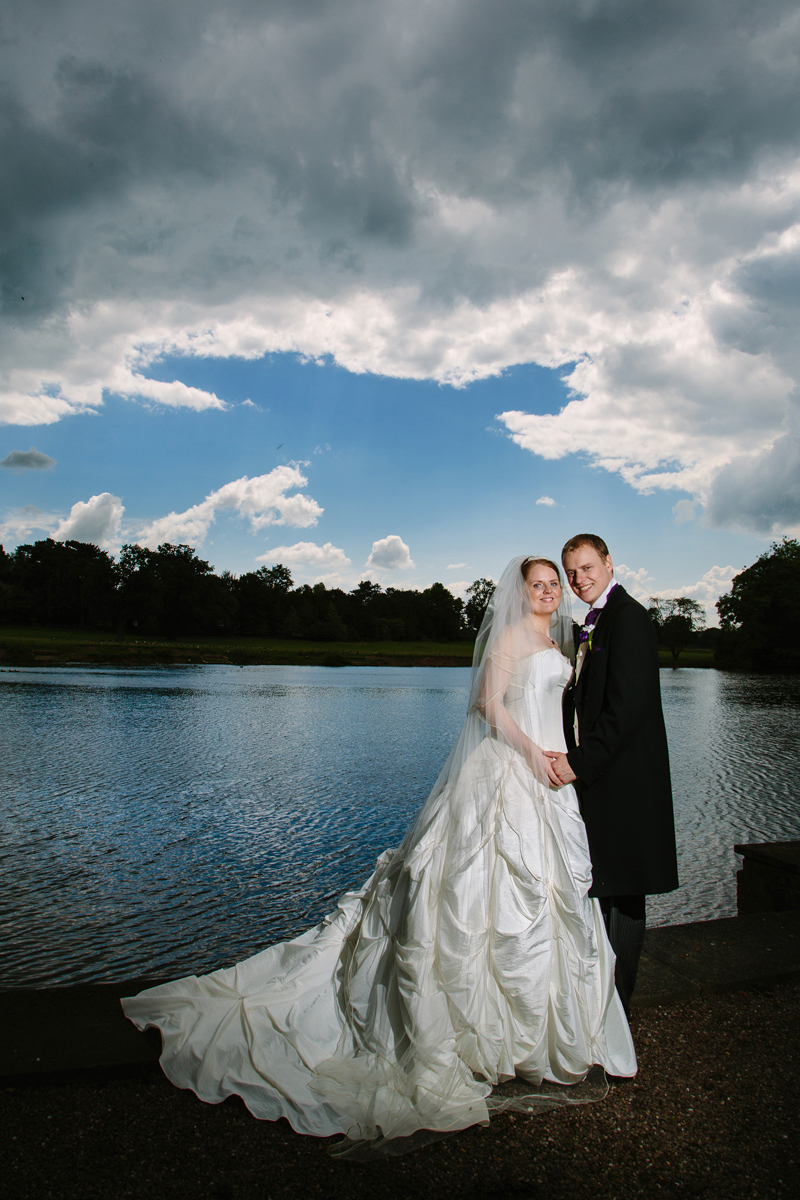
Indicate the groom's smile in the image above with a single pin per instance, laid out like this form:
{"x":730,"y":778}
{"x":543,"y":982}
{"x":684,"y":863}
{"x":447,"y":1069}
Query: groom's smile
{"x":588,"y":573}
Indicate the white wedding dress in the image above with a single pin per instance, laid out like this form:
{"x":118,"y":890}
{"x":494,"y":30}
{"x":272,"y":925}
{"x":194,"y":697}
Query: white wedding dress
{"x":472,"y":955}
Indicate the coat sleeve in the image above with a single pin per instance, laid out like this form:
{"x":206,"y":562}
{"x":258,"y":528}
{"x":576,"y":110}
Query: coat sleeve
{"x":631,"y":693}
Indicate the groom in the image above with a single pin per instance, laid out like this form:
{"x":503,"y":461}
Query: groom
{"x":617,"y":753}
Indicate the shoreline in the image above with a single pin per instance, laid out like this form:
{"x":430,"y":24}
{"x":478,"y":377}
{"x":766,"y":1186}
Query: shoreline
{"x":679,"y":963}
{"x":29,"y":647}
{"x":711,"y":1112}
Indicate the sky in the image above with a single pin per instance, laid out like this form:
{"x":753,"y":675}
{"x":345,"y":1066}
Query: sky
{"x":398,"y":290}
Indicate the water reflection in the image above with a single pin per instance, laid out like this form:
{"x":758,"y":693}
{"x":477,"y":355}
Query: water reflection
{"x":168,"y":820}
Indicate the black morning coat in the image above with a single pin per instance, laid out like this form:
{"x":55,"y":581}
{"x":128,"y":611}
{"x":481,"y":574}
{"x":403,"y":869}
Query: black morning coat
{"x":621,"y":761}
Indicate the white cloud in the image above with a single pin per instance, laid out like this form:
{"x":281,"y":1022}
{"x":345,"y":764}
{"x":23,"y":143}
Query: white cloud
{"x":455,"y":566}
{"x":459,"y":587}
{"x":28,"y":460}
{"x":390,"y":554}
{"x":706,"y":590}
{"x":684,"y":511}
{"x":638,"y":582}
{"x":424,"y":191}
{"x":308,"y":554}
{"x":548,"y":501}
{"x":95,"y":520}
{"x":22,"y":523}
{"x":333,"y":579}
{"x":262,"y":499}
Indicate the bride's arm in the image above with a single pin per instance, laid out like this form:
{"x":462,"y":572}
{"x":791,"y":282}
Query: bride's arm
{"x":496,"y":678}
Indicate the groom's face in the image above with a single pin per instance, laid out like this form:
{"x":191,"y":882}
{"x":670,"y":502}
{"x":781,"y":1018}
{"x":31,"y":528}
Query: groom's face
{"x":588,"y":573}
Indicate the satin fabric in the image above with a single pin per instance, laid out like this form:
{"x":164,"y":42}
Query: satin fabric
{"x":471,"y":955}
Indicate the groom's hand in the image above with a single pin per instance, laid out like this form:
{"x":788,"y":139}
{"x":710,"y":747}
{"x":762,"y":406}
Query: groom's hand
{"x":562,"y":768}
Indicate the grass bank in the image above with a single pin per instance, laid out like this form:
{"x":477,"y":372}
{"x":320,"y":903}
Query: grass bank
{"x":57,"y":647}
{"x":28,"y":647}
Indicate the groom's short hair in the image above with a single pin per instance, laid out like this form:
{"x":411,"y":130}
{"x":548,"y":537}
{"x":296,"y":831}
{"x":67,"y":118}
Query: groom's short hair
{"x":585,"y":539}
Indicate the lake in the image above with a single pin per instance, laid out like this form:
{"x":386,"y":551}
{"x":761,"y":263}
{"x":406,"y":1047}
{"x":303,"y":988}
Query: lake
{"x":162,"y":821}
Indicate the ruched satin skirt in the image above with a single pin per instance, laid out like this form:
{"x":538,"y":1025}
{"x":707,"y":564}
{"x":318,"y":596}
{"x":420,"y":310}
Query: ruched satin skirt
{"x":472,"y":955}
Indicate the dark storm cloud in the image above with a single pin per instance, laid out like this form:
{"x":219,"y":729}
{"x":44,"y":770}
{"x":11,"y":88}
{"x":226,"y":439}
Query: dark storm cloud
{"x":639,"y":94}
{"x":760,"y":493}
{"x":27,"y":460}
{"x":599,"y":164}
{"x":346,"y":102}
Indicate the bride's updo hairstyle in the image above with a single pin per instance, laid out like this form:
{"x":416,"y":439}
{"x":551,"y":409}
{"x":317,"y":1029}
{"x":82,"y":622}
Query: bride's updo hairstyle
{"x":527,"y":563}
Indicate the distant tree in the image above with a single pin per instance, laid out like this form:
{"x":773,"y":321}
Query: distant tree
{"x":364,"y":605}
{"x":677,"y":620}
{"x":400,"y":613}
{"x":261,"y":600}
{"x":480,"y":593}
{"x":277,"y":578}
{"x":320,"y":613}
{"x":366,"y":592}
{"x":15,"y":603}
{"x":761,"y":613}
{"x":441,"y":614}
{"x":69,"y":583}
{"x":171,"y":591}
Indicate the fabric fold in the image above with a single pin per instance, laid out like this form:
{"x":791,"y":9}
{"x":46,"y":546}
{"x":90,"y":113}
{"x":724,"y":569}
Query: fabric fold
{"x":471,"y":958}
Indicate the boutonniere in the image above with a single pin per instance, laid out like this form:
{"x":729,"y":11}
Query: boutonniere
{"x":587,"y":632}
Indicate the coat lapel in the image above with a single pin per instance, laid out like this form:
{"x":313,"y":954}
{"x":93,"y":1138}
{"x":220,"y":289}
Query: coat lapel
{"x":584,"y":660}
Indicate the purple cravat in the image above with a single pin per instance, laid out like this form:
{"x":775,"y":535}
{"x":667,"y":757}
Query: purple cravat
{"x":591,"y":617}
{"x":588,"y":623}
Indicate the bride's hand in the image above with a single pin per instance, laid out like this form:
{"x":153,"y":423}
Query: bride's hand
{"x":560,"y":764}
{"x":554,"y":779}
{"x":543,"y":768}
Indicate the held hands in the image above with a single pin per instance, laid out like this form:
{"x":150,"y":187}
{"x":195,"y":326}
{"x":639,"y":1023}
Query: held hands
{"x":559,"y":765}
{"x":544,"y":770}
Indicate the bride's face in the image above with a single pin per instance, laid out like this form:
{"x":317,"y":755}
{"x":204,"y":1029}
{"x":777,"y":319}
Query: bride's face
{"x":543,"y":589}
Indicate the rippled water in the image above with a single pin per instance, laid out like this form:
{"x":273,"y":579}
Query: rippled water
{"x":157,"y":822}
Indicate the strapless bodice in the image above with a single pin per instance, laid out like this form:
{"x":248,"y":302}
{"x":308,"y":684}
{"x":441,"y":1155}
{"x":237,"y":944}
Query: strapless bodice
{"x":534,"y":696}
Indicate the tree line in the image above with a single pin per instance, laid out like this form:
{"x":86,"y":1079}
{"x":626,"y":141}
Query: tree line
{"x":756,"y":618}
{"x":172,"y":592}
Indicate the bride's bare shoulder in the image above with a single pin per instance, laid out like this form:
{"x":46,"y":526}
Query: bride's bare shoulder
{"x":520,"y":640}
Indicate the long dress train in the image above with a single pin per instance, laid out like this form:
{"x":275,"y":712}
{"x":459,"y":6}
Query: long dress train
{"x":472,"y":955}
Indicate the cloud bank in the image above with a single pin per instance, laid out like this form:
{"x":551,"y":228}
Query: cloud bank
{"x":425,"y":191}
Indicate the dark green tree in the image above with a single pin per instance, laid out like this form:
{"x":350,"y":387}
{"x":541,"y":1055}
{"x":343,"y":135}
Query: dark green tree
{"x":441,"y":614}
{"x":761,"y":612}
{"x":171,"y":591}
{"x":364,"y":606}
{"x":677,"y":620}
{"x":72,"y":584}
{"x":480,"y":593}
{"x":15,"y":603}
{"x":366,"y":591}
{"x":262,"y":606}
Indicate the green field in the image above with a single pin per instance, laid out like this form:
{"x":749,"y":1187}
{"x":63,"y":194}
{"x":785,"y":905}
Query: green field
{"x":40,"y":647}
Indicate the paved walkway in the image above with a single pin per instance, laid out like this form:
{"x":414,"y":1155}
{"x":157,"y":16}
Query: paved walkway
{"x":78,"y":1028}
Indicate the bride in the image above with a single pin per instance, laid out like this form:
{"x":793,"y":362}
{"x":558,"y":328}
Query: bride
{"x":470,"y":957}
